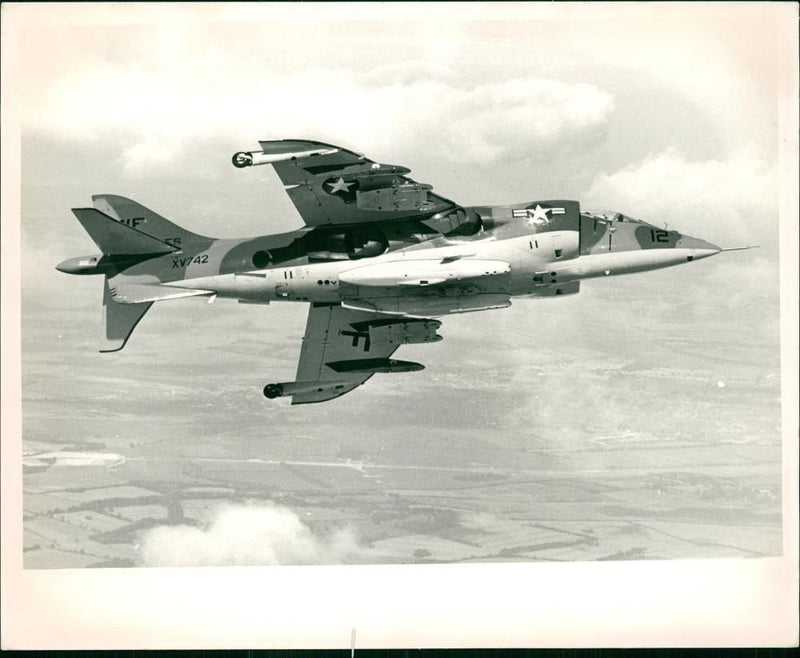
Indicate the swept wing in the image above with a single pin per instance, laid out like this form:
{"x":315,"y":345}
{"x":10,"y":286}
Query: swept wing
{"x":332,"y":185}
{"x":342,"y":348}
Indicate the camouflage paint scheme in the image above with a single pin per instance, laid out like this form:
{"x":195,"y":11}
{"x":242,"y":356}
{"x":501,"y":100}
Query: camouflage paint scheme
{"x":380,"y":256}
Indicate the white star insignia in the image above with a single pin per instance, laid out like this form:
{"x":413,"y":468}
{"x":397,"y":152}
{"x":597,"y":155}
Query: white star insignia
{"x":340,"y":186}
{"x":539,"y":215}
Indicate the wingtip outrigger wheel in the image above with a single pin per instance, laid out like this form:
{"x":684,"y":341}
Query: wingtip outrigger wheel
{"x":242,"y":159}
{"x":273,"y":391}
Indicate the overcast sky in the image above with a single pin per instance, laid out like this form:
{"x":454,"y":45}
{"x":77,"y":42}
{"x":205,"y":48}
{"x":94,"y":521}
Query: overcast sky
{"x":667,"y":113}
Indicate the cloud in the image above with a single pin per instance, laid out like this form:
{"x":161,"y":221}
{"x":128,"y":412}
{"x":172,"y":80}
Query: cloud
{"x":518,"y":118}
{"x":728,"y":201}
{"x":743,"y":282}
{"x":263,"y":534}
{"x":407,"y":72}
{"x":155,"y":115}
{"x":466,"y":86}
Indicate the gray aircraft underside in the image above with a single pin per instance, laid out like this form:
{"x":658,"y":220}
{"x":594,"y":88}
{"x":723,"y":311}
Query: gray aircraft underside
{"x":379,"y":259}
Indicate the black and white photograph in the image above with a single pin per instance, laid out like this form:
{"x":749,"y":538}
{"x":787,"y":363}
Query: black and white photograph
{"x":434,"y":303}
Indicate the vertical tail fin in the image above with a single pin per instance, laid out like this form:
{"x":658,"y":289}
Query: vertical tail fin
{"x":128,"y":234}
{"x":143,"y":219}
{"x":113,"y":237}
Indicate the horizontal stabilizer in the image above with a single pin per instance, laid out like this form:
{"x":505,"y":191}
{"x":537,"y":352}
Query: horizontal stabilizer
{"x":113,"y":237}
{"x":119,"y":320}
{"x":137,"y":293}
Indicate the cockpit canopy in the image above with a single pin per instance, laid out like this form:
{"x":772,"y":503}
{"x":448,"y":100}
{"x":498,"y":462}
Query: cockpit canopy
{"x":612,"y":216}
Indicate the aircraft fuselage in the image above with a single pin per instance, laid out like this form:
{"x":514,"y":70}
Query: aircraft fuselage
{"x":536,"y":261}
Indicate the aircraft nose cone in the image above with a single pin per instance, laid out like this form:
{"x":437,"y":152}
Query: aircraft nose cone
{"x":700,"y":248}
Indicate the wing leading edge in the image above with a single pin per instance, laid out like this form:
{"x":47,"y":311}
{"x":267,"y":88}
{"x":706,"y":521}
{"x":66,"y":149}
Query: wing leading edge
{"x":343,"y":348}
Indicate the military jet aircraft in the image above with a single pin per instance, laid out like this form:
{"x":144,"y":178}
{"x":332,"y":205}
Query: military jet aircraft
{"x":379,"y":259}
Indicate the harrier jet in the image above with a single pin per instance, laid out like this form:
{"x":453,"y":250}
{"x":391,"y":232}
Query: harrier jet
{"x":379,"y":259}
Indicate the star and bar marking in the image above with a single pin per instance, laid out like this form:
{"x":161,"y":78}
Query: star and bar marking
{"x":339,"y":186}
{"x":537,"y":215}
